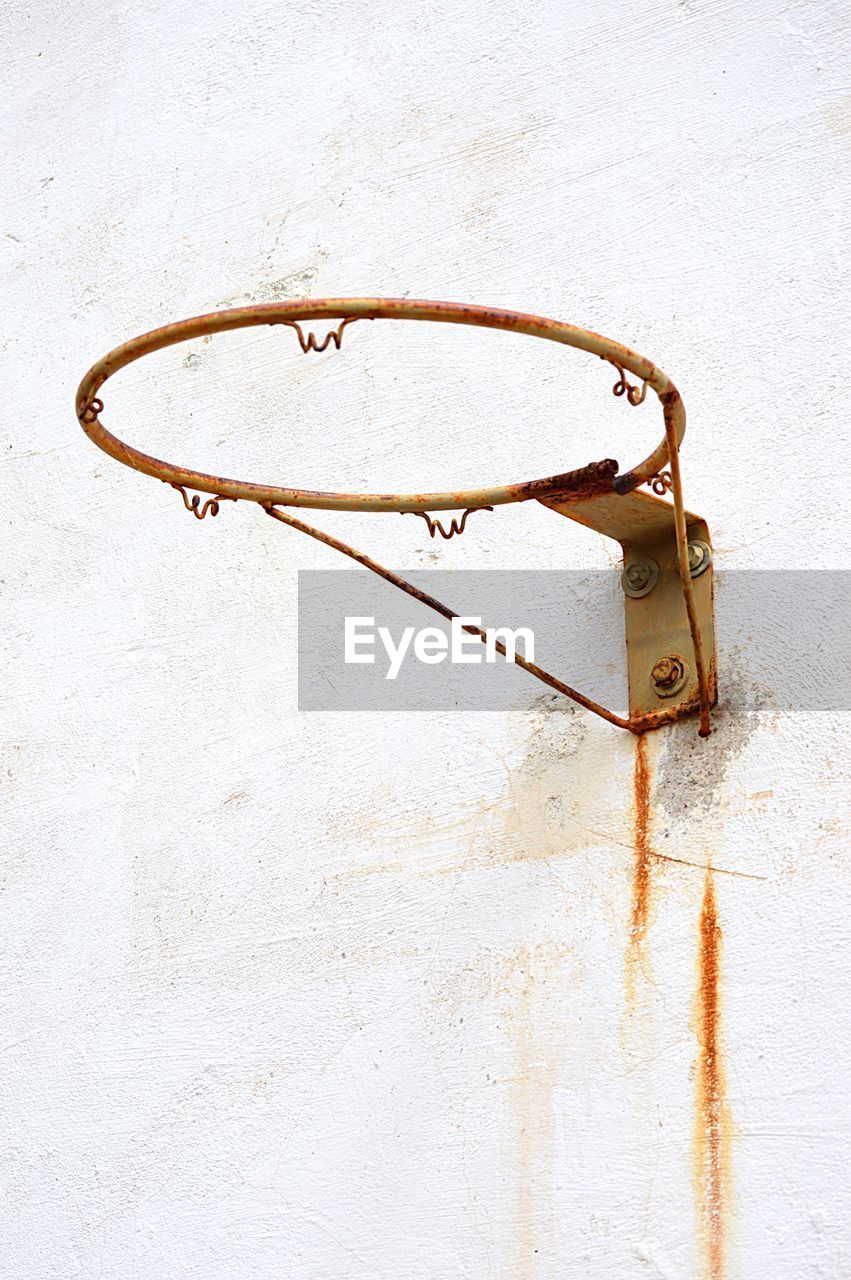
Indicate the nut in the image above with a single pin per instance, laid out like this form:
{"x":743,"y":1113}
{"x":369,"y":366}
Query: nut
{"x":640,"y":577}
{"x":638,"y":574}
{"x":666,"y":672}
{"x":699,"y":557}
{"x":669,"y":675}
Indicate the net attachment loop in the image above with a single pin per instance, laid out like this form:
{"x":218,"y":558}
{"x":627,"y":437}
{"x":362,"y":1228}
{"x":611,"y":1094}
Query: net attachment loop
{"x":193,"y":504}
{"x":455,"y":526}
{"x":312,"y":343}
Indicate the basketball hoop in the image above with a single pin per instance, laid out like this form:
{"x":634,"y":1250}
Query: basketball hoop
{"x":667,"y":558}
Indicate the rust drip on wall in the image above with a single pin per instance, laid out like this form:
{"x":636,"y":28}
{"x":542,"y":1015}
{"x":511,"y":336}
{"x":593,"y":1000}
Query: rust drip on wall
{"x":527,"y":1108}
{"x":712,"y":1138}
{"x":640,"y":909}
{"x":538,"y":1041}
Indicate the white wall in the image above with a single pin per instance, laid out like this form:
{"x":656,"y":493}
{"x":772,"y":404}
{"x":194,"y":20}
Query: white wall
{"x":341,"y":997}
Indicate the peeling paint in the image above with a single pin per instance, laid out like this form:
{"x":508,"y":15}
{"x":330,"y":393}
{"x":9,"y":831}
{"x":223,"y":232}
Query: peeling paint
{"x":736,"y":719}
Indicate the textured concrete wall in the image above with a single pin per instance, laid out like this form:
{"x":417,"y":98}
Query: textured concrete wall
{"x":381,"y":996}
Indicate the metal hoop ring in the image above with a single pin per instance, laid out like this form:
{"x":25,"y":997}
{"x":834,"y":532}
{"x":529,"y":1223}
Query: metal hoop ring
{"x":285,"y":313}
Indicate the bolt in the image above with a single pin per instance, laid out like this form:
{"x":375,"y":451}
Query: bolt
{"x":668,"y":676}
{"x":699,"y":558}
{"x":640,"y":577}
{"x":638,"y":573}
{"x":667,"y":672}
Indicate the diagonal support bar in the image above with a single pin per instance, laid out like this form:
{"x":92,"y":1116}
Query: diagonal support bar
{"x":649,"y":715}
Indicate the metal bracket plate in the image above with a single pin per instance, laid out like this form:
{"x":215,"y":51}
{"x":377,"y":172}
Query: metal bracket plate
{"x":656,"y":622}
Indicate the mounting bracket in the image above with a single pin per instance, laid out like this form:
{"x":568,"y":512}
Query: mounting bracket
{"x":657,"y":626}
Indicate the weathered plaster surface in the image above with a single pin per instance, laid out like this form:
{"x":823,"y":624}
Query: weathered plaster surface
{"x":336,"y":998}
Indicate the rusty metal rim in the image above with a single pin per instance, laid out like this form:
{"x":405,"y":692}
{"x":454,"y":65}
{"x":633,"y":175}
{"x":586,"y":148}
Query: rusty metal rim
{"x":89,"y":406}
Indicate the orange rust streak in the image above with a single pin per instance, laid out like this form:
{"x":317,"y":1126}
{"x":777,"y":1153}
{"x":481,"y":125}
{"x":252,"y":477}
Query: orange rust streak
{"x":643,"y":852}
{"x":712,"y":1120}
{"x":640,"y":909}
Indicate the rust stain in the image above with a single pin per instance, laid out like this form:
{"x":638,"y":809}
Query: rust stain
{"x":532,"y":1103}
{"x":640,"y":911}
{"x":838,"y":116}
{"x":712,"y":1137}
{"x":526,"y":991}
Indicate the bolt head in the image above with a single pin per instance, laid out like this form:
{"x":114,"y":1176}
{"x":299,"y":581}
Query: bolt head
{"x":669,"y":675}
{"x":699,"y":557}
{"x":640,"y":577}
{"x":666,"y":672}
